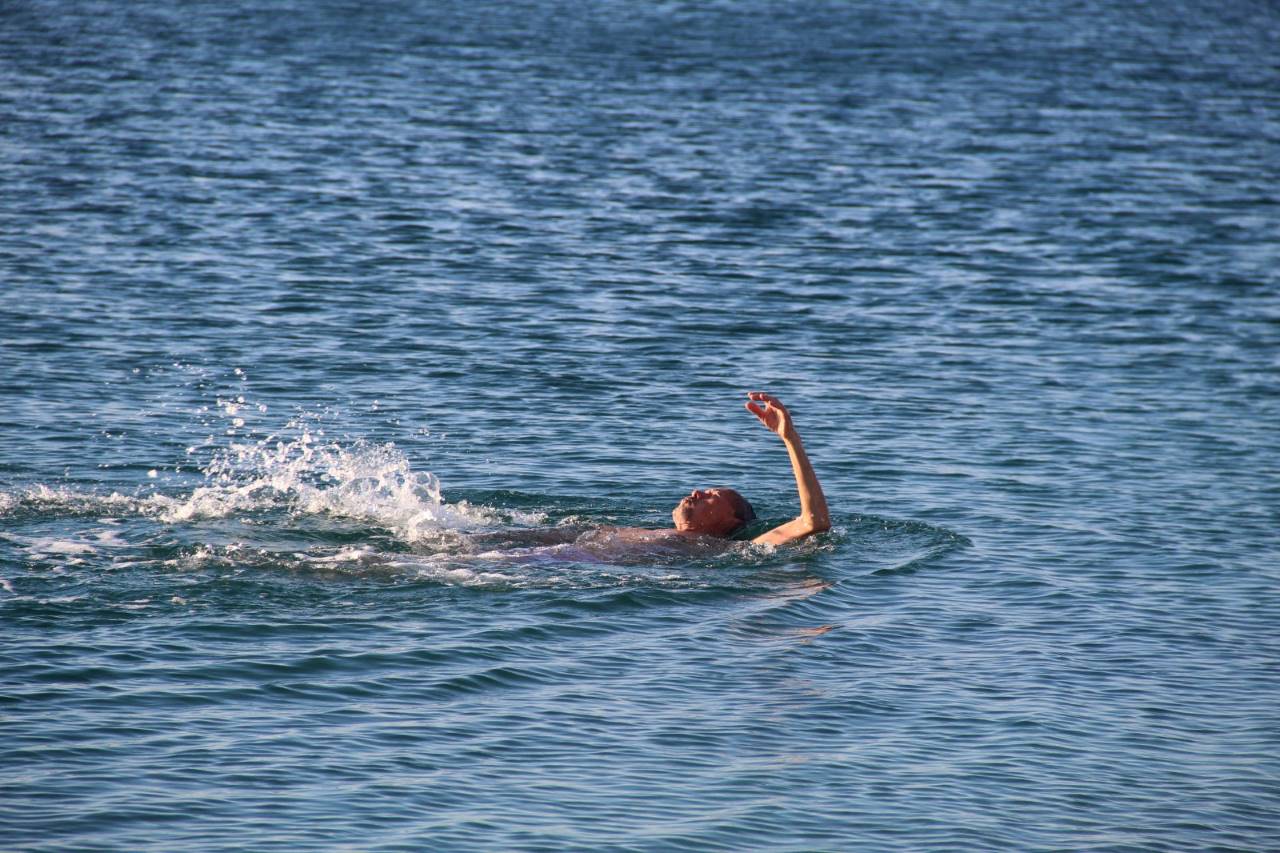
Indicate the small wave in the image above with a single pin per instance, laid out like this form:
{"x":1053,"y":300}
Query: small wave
{"x":64,"y":501}
{"x":52,"y":546}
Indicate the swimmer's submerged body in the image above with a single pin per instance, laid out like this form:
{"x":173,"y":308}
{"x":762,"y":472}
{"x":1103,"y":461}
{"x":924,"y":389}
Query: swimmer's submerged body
{"x":708,"y":518}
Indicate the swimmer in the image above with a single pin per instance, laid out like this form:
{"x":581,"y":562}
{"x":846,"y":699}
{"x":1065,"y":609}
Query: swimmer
{"x":723,"y":512}
{"x":706,"y":515}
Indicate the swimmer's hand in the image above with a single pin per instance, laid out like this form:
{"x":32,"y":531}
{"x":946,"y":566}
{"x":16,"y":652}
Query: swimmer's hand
{"x":771,"y":412}
{"x":814,"y":517}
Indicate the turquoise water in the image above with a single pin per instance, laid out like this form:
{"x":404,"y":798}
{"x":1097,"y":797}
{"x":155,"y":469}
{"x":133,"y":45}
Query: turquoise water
{"x":314,"y":313}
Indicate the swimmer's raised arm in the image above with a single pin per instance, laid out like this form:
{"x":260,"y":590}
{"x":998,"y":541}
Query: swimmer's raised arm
{"x":813,"y":517}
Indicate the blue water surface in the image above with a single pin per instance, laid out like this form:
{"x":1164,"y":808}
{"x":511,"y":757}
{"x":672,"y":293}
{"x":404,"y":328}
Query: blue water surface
{"x":314,"y":314}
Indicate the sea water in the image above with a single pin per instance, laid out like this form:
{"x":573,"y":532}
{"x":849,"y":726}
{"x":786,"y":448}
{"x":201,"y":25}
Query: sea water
{"x":319,"y":321}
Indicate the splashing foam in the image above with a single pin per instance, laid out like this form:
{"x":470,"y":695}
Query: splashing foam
{"x":372,"y":483}
{"x":367,"y":482}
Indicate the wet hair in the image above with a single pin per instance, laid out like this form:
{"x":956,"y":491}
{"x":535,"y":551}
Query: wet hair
{"x":742,"y":509}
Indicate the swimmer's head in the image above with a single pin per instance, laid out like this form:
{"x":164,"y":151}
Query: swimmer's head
{"x":715,"y":512}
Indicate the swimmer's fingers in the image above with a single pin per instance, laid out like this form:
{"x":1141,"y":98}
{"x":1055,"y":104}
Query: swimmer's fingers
{"x":756,"y":407}
{"x":772,"y":416}
{"x":770,"y":411}
{"x":770,"y":401}
{"x":763,"y":397}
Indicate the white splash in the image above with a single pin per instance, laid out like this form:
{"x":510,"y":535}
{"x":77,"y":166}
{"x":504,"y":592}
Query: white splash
{"x":247,"y":472}
{"x":301,"y":472}
{"x":374,"y":483}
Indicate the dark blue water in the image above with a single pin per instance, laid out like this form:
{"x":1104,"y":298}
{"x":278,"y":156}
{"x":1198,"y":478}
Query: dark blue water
{"x":311,"y":312}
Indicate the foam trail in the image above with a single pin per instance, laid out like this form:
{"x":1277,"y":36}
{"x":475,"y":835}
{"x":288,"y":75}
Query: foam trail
{"x":63,"y":500}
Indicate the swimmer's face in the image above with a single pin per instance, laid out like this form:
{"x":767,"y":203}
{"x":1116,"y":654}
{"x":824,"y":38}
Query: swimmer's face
{"x":706,"y":511}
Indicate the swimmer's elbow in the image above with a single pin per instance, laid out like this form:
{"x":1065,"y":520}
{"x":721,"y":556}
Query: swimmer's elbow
{"x":813,"y":524}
